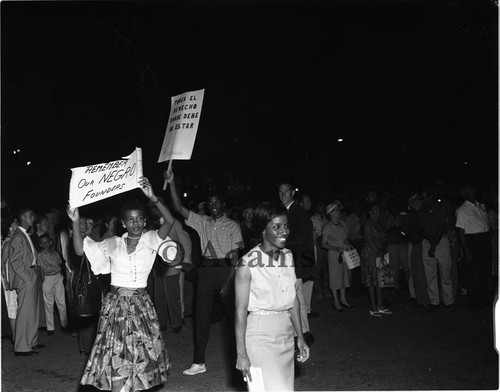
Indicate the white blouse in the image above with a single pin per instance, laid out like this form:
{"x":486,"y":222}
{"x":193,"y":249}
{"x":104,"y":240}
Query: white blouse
{"x":272,"y":286}
{"x":127,"y":270}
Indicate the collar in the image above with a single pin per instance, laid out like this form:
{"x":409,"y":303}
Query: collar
{"x":475,"y":203}
{"x":289,"y":205}
{"x":217,"y":219}
{"x":274,"y":254}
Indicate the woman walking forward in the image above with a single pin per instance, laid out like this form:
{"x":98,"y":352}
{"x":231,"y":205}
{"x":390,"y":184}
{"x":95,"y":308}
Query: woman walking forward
{"x":129,"y":353}
{"x":265,"y":287}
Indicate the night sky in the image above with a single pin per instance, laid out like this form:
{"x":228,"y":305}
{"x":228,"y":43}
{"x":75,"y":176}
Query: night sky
{"x":410,"y":86}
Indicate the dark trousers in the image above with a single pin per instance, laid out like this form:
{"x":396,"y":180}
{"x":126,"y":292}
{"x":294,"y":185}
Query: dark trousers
{"x":418,"y":273}
{"x":168,"y":300}
{"x":478,"y":269}
{"x":211,"y":279}
{"x":87,"y":332}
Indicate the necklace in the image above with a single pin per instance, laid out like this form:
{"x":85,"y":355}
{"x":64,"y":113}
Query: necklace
{"x":134,"y":238}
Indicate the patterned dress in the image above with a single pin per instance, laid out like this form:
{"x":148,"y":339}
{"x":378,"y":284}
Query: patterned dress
{"x":129,"y":353}
{"x":375,"y":232}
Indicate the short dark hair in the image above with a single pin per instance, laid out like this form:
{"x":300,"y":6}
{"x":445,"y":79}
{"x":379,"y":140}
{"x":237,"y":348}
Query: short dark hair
{"x":132,"y":205}
{"x":285,"y":182}
{"x":216,"y":194}
{"x":265,"y":212}
{"x":23,"y":211}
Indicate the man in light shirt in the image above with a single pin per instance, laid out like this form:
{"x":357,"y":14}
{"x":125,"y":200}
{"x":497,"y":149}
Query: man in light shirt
{"x":221,"y":241}
{"x":475,"y":238}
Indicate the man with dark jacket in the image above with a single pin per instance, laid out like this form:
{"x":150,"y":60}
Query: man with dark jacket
{"x":301,"y":243}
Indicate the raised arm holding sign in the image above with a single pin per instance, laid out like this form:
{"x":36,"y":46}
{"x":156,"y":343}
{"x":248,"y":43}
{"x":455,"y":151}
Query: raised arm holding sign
{"x":97,"y":182}
{"x":185,"y":113}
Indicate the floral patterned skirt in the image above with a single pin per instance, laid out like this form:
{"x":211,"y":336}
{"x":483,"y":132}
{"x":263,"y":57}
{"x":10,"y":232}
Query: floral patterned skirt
{"x":129,"y":353}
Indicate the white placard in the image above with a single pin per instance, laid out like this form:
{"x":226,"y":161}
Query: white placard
{"x":97,"y":182}
{"x":185,"y":113}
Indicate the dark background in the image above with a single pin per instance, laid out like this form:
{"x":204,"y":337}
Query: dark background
{"x":410,"y":86}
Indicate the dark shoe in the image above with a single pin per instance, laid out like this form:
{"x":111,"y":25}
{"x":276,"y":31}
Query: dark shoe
{"x":38,"y":346}
{"x":313,"y":314}
{"x":347,"y":305}
{"x":309,"y":338}
{"x":25,"y":353}
{"x":431,"y":307}
{"x":451,"y":307}
{"x":50,"y":332}
{"x":338,"y":309}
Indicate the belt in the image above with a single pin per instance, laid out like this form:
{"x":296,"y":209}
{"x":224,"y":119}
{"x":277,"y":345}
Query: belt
{"x":215,"y":262}
{"x":57,"y":273}
{"x":127,"y":291}
{"x":262,"y":312}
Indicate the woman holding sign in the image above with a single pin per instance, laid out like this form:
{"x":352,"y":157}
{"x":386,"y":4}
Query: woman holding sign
{"x":267,"y":309}
{"x":129,"y":353}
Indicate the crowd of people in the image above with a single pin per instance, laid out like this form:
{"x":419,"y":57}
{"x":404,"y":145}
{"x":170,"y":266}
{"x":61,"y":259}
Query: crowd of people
{"x":437,"y":246}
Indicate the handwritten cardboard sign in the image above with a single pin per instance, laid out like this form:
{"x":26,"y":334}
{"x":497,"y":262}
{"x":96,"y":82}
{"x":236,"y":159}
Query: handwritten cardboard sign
{"x":97,"y":182}
{"x":185,"y":113}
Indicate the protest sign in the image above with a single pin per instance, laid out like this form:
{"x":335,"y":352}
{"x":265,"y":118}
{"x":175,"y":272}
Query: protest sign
{"x":185,"y":113}
{"x":97,"y":182}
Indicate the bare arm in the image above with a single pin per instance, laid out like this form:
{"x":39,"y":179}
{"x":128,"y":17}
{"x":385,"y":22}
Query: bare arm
{"x":176,"y":200}
{"x":168,"y":219}
{"x":463,"y":243}
{"x":74,"y":215}
{"x":242,"y":294}
{"x":301,"y":343}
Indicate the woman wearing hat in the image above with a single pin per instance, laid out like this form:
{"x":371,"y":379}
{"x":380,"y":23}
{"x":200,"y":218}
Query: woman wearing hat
{"x":129,"y":353}
{"x":335,"y":240}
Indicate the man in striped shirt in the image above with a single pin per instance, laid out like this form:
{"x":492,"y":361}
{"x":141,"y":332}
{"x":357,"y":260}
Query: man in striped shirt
{"x":221,"y":241}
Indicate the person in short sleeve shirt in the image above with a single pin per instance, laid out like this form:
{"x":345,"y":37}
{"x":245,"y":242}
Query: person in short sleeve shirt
{"x":475,"y":238}
{"x":221,"y":240}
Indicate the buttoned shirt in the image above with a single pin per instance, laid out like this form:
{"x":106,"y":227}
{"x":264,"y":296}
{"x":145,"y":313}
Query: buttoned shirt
{"x":472,"y":218}
{"x":33,"y":251}
{"x":272,"y":286}
{"x":127,"y":269}
{"x":218,"y":237}
{"x":50,"y":261}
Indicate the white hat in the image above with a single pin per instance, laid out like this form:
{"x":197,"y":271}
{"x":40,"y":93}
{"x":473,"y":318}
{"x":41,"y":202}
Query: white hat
{"x":171,"y":252}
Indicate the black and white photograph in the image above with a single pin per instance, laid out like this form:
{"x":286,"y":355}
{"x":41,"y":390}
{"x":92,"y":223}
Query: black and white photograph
{"x":249,"y":195}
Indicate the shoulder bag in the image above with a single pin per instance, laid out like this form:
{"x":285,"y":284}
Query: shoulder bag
{"x":88,"y":292}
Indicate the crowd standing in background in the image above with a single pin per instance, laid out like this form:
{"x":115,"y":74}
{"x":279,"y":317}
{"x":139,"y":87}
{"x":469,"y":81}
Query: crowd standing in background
{"x":441,"y":245}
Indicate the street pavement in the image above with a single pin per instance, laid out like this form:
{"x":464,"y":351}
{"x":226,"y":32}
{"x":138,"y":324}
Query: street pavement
{"x":412,"y":349}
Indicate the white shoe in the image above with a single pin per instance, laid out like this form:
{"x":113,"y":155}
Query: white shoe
{"x":195,"y":369}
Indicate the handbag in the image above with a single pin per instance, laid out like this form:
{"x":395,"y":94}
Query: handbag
{"x":88,"y":292}
{"x":351,"y":257}
{"x":386,"y":276}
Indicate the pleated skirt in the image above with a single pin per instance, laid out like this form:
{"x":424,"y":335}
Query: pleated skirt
{"x":129,"y":352}
{"x":270,"y":346}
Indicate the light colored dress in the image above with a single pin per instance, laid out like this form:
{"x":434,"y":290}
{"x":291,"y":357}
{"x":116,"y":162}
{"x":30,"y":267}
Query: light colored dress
{"x":338,"y":273}
{"x":270,"y":332}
